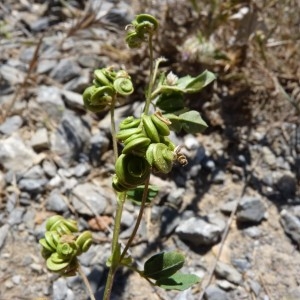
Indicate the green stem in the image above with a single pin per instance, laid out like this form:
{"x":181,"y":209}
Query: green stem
{"x":113,"y":127}
{"x":139,"y":218}
{"x":152,"y":79}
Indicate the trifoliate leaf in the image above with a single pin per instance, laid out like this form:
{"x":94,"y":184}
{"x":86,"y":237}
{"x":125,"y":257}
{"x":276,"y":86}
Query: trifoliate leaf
{"x":192,"y":122}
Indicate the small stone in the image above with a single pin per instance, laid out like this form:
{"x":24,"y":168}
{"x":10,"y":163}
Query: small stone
{"x":46,"y":65}
{"x":291,"y":225}
{"x":215,"y":293}
{"x":16,"y":279}
{"x":127,"y":219}
{"x":73,"y":100}
{"x":228,"y":207}
{"x":60,"y":289}
{"x":55,"y":202}
{"x":49,"y":168}
{"x":219,"y":177}
{"x":88,"y":197}
{"x":3,"y":234}
{"x":11,"y":74}
{"x":250,"y":209}
{"x":16,"y":216}
{"x":40,"y":24}
{"x":98,"y":146}
{"x":82,"y":170}
{"x":65,"y":70}
{"x":287,"y":186}
{"x":11,"y":125}
{"x":35,"y":172}
{"x":40,"y":140}
{"x":228,"y":272}
{"x":225,"y":285}
{"x":201,"y":230}
{"x":256,"y":287}
{"x":15,"y":155}
{"x":78,"y":84}
{"x":190,"y":142}
{"x":269,"y":157}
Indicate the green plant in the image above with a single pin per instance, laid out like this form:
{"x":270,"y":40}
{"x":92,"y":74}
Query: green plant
{"x":147,"y":148}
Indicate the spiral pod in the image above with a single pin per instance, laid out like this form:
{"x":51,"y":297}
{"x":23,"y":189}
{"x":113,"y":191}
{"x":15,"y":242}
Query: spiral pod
{"x":147,"y":21}
{"x":123,"y":84}
{"x":131,"y":171}
{"x":129,"y":122}
{"x":55,"y":221}
{"x":160,"y":157}
{"x":103,"y":77}
{"x":84,"y":241}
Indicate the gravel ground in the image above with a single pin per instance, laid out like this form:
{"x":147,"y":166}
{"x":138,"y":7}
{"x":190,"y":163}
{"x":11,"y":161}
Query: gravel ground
{"x":243,"y":173}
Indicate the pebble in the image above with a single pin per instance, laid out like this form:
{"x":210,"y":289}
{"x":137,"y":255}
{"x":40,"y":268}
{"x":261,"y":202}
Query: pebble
{"x":78,"y":84}
{"x":228,"y":272}
{"x":61,"y":290}
{"x":213,"y":292}
{"x":46,"y":65}
{"x":4,"y":229}
{"x":98,"y":146}
{"x":287,"y":186}
{"x":228,"y":207}
{"x":11,"y":125}
{"x":65,"y":70}
{"x":291,"y":225}
{"x":32,"y":186}
{"x":16,"y":216}
{"x":82,"y":169}
{"x":269,"y":157}
{"x":11,"y":75}
{"x":49,"y":168}
{"x":73,"y":100}
{"x":55,"y":202}
{"x":251,"y":209}
{"x":201,"y":230}
{"x":88,"y":196}
{"x":15,"y":155}
{"x":40,"y":140}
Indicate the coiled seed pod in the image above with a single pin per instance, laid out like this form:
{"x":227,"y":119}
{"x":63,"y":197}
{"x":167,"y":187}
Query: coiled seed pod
{"x":129,"y":122}
{"x":55,"y":221}
{"x":67,"y":250}
{"x":148,"y":20}
{"x":123,"y":84}
{"x":136,"y":145}
{"x":131,"y":171}
{"x":122,"y":135}
{"x":84,"y":241}
{"x":160,"y":157}
{"x":161,"y":124}
{"x":96,"y":99}
{"x":150,"y":129}
{"x":102,"y":78}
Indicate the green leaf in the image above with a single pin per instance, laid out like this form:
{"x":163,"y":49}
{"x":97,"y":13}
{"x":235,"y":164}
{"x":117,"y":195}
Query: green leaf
{"x":178,"y":281}
{"x":163,"y":265}
{"x":136,"y":194}
{"x":175,"y":122}
{"x":170,"y":102}
{"x":192,"y":122}
{"x":189,"y":84}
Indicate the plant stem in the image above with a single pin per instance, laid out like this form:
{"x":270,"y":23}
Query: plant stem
{"x":113,"y":127}
{"x":152,"y":79}
{"x":139,"y":218}
{"x":86,"y":282}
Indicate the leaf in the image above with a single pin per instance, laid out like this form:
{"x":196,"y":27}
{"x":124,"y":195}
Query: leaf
{"x":175,"y":122}
{"x":163,"y":265}
{"x":178,"y":281}
{"x":170,"y":102}
{"x":189,"y":84}
{"x":136,"y":194}
{"x":192,"y":122}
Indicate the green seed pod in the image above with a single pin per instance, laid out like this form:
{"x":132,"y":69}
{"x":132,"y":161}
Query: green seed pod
{"x":147,"y":19}
{"x":119,"y":187}
{"x":53,"y":221}
{"x":131,"y":170}
{"x":160,"y":124}
{"x":101,"y":78}
{"x":134,"y":40}
{"x":135,"y":137}
{"x":129,"y":122}
{"x":123,"y":84}
{"x":67,"y":250}
{"x":55,"y":263}
{"x":160,"y":157}
{"x":84,"y":241}
{"x":136,"y":144}
{"x":122,"y":135}
{"x":150,"y":129}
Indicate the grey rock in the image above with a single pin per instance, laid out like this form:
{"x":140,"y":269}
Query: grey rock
{"x":95,"y":255}
{"x":98,"y":146}
{"x":29,"y":218}
{"x":291,"y":225}
{"x":127,"y":219}
{"x":251,"y":209}
{"x":55,"y":202}
{"x":11,"y":125}
{"x":228,"y":207}
{"x":225,"y":285}
{"x":209,"y":164}
{"x":88,"y":196}
{"x":201,"y":231}
{"x":269,"y":157}
{"x":256,"y":287}
{"x":15,"y":155}
{"x":71,"y":138}
{"x":219,"y":177}
{"x":89,"y":61}
{"x":82,"y":169}
{"x":3,"y":234}
{"x":190,"y":142}
{"x":40,"y":140}
{"x":40,"y":24}
{"x":78,"y":84}
{"x":32,"y":186}
{"x":49,"y":168}
{"x":242,"y":264}
{"x":51,"y":101}
{"x":11,"y":74}
{"x":293,"y":294}
{"x":46,"y":65}
{"x":169,"y":220}
{"x":254,"y":232}
{"x":16,"y":216}
{"x":60,"y":289}
{"x":228,"y":272}
{"x":176,"y":196}
{"x":65,"y":70}
{"x":287,"y":186}
{"x":35,"y":172}
{"x":72,"y":99}
{"x":215,"y":293}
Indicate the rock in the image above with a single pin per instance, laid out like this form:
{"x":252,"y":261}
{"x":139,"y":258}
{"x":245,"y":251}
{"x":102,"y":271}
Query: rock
{"x":94,"y":256}
{"x":11,"y":75}
{"x":175,"y":197}
{"x":11,"y":125}
{"x":51,"y":101}
{"x":3,"y":234}
{"x":88,"y":197}
{"x":15,"y":216}
{"x":250,"y":209}
{"x":228,"y":207}
{"x":215,"y":293}
{"x":73,"y":100}
{"x":35,"y":172}
{"x":55,"y":202}
{"x":32,"y":186}
{"x":293,"y":294}
{"x":40,"y":24}
{"x":228,"y":272}
{"x":71,"y":138}
{"x":287,"y":186}
{"x":65,"y":70}
{"x":78,"y":84}
{"x":127,"y":219}
{"x":190,"y":142}
{"x":256,"y":287}
{"x":98,"y":145}
{"x":291,"y":225}
{"x":15,"y":155}
{"x":198,"y":231}
{"x":46,"y":65}
{"x":39,"y":140}
{"x":82,"y":169}
{"x":219,"y":177}
{"x":269,"y":157}
{"x":49,"y":168}
{"x":61,"y":291}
